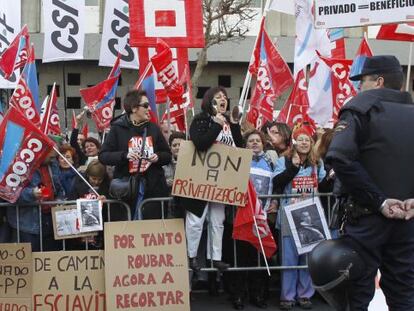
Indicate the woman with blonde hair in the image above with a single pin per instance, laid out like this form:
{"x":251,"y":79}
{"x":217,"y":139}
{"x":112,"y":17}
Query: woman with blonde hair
{"x":299,"y":172}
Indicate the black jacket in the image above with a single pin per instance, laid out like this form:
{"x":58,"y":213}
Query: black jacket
{"x":115,"y":149}
{"x":203,"y":133}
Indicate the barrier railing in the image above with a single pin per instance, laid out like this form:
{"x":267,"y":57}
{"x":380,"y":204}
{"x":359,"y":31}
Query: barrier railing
{"x":108,"y":203}
{"x":235,"y":267}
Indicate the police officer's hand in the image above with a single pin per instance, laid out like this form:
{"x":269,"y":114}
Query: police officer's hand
{"x":393,"y":209}
{"x":409,"y":208}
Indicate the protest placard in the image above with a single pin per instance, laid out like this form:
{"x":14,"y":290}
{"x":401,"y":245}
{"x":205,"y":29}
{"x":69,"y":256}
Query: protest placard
{"x":15,"y":276}
{"x":352,"y":13}
{"x":146,"y":265}
{"x":219,"y":174}
{"x":71,"y":280}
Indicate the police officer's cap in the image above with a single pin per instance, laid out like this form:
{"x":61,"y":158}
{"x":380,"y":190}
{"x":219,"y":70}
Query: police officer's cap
{"x":378,"y":64}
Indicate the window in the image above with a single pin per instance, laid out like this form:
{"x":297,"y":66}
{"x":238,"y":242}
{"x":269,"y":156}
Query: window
{"x":118,"y":103}
{"x":74,"y":79}
{"x":49,"y":89}
{"x":73,"y":103}
{"x":201,"y":91}
{"x":248,"y":92}
{"x":224,"y":81}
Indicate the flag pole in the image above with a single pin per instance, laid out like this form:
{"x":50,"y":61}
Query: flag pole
{"x":64,"y":101}
{"x":75,"y":170}
{"x":410,"y":56}
{"x":248,"y":78}
{"x":142,"y":77}
{"x":261,"y":245}
{"x":168,"y":116}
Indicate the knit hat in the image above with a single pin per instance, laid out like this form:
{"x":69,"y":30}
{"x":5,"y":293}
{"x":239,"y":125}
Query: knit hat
{"x":301,"y":130}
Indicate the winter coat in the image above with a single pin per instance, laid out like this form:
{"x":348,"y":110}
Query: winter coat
{"x":114,"y":152}
{"x":204,"y":132}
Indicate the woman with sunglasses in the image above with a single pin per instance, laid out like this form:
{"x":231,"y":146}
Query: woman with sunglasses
{"x":123,"y":148}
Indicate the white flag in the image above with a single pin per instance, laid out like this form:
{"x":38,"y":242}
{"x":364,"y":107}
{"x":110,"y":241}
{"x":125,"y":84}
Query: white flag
{"x":64,"y":26}
{"x":10,"y":25}
{"x":308,"y":39}
{"x":284,"y":6}
{"x":115,"y":36}
{"x":320,"y":93}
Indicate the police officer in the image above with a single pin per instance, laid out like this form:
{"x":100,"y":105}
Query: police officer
{"x":372,"y":154}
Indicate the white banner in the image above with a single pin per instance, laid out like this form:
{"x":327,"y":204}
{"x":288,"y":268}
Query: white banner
{"x":10,"y":25}
{"x":283,"y":6}
{"x":64,"y":26}
{"x":115,"y":36}
{"x":351,"y":13}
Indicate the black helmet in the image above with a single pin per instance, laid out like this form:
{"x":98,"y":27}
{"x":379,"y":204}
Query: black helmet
{"x":332,"y":264}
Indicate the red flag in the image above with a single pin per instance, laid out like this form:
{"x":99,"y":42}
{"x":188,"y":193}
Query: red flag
{"x":400,"y":32}
{"x":101,"y":98}
{"x":23,"y":100}
{"x":23,"y":148}
{"x":297,"y":104}
{"x":273,"y":78}
{"x":342,"y":88}
{"x":244,"y":225}
{"x":51,"y":120}
{"x":15,"y":56}
{"x":85,"y":130}
{"x":101,"y":101}
{"x":162,"y":63}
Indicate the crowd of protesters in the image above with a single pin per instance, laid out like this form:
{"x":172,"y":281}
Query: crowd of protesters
{"x":285,"y":161}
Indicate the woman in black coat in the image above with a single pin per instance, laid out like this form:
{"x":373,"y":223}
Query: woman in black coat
{"x":123,"y":146}
{"x":212,"y":125}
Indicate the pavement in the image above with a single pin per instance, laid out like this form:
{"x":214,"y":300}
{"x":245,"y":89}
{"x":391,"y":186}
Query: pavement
{"x":202,"y":301}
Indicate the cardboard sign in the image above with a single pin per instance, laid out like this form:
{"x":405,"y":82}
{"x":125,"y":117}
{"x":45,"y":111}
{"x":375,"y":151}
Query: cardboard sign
{"x":351,"y":13}
{"x":69,"y":281}
{"x":219,"y":175}
{"x":146,"y":265}
{"x":15,"y":276}
{"x":65,"y":223}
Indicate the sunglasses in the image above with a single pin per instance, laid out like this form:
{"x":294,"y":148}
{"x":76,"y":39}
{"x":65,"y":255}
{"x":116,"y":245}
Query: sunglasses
{"x":145,"y":105}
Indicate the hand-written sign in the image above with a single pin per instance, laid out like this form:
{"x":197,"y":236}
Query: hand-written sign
{"x":351,"y":13}
{"x":15,"y":276}
{"x":146,"y":265}
{"x":69,"y":281}
{"x":219,"y":175}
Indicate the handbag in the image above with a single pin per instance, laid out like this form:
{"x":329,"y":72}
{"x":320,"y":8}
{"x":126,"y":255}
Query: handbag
{"x":126,"y":188}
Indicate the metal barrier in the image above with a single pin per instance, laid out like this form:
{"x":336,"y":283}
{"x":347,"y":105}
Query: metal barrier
{"x":330,"y":201}
{"x":59,"y":203}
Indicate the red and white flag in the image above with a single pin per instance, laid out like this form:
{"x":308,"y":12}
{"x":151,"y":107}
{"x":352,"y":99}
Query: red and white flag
{"x":273,"y":78}
{"x":51,"y":121}
{"x":23,"y":147}
{"x":100,"y":98}
{"x":400,"y":32}
{"x":297,"y":104}
{"x":15,"y":56}
{"x":22,"y":99}
{"x":244,"y":227}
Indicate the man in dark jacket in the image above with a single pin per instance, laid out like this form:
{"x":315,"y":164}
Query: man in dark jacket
{"x":123,"y":149}
{"x":371,"y":154}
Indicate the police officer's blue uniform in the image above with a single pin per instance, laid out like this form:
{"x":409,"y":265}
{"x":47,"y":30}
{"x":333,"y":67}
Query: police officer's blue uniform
{"x":372,"y":154}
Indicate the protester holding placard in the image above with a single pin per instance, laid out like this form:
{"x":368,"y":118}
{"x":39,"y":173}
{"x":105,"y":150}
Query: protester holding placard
{"x":45,"y":185}
{"x":136,"y":146}
{"x":261,"y":175}
{"x":297,"y":173}
{"x":212,"y":125}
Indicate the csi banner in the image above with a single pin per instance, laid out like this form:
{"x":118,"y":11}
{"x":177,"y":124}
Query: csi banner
{"x":64,"y":27}
{"x":222,"y":173}
{"x":177,"y":22}
{"x":10,"y":25}
{"x":351,"y":13}
{"x":115,"y":36}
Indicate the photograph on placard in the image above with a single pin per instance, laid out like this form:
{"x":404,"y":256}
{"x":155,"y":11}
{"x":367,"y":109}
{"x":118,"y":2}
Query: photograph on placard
{"x":89,"y":215}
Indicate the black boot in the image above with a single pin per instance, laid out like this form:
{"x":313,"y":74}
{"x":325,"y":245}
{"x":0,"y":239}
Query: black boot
{"x":194,"y":264}
{"x":220,"y":265}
